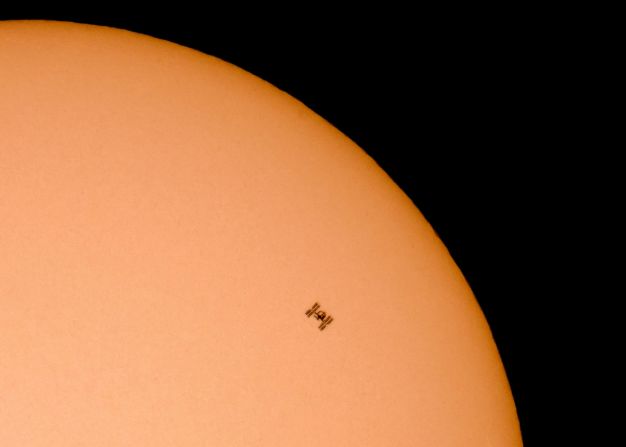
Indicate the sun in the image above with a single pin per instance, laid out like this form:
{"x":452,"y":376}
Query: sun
{"x":192,"y":257}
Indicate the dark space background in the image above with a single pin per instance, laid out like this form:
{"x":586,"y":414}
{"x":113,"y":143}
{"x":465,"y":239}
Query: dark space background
{"x":447,"y":106}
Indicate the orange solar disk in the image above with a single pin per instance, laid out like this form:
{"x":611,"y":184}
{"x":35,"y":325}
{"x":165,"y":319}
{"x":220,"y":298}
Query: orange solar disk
{"x":191,"y":257}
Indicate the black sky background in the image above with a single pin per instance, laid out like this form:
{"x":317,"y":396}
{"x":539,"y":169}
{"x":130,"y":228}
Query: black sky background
{"x":448,"y":108}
